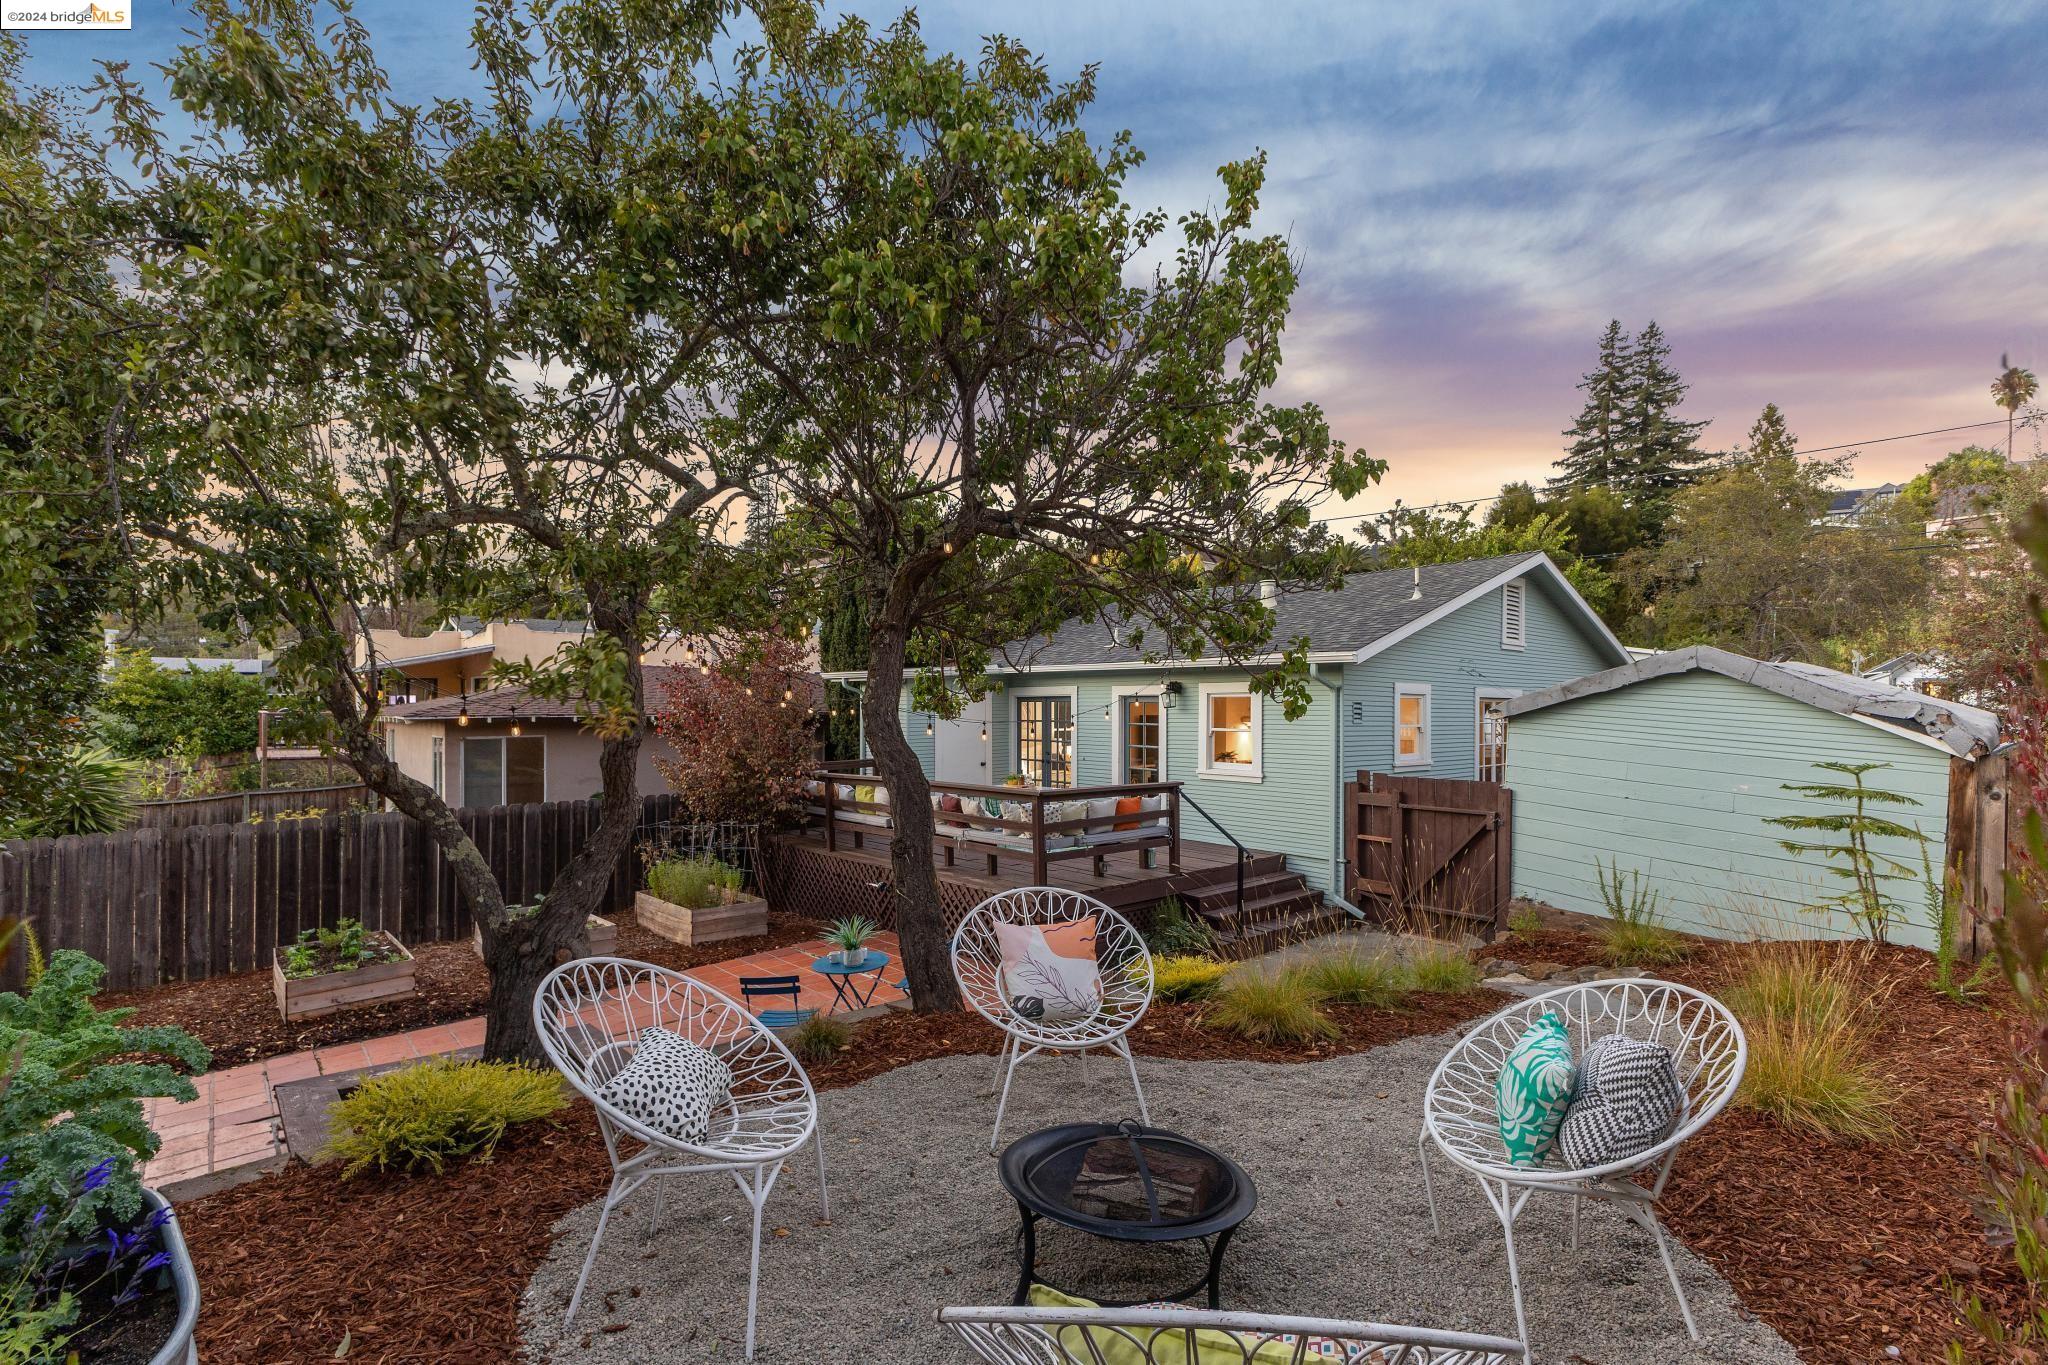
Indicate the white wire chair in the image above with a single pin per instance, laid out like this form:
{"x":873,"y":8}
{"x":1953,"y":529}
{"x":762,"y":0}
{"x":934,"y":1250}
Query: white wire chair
{"x":1460,"y":1111}
{"x":590,"y":1012}
{"x":1168,"y":1336}
{"x":1120,"y":956}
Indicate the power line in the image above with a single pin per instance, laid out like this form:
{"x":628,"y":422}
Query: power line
{"x":1726,"y":464}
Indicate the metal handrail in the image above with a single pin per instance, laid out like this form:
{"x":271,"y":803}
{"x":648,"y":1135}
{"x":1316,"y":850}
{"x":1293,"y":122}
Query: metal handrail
{"x":1243,"y":853}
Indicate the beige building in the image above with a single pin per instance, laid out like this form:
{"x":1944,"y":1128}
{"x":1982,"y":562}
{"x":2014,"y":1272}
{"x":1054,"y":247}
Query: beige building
{"x":453,"y":660}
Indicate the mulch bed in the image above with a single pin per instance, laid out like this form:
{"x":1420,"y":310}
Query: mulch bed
{"x":1566,"y":947}
{"x":237,"y":1016}
{"x":430,"y":1268}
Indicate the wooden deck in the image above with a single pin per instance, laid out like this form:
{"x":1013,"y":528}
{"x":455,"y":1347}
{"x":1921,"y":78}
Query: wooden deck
{"x":808,"y":879}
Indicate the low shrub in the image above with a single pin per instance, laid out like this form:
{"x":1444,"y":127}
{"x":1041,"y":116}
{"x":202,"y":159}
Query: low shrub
{"x":1183,"y":977}
{"x":1351,"y":977}
{"x":819,"y":1039}
{"x":90,"y":791}
{"x":431,"y":1113}
{"x":343,"y":948}
{"x":1443,"y":968}
{"x":1813,"y":1036}
{"x":1270,"y":1007}
{"x":1176,"y":933}
{"x":693,"y":883}
{"x":1633,"y":934}
{"x":1527,"y":920}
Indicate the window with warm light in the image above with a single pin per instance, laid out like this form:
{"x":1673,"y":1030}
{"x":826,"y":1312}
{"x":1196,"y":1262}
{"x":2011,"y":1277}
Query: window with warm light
{"x":1230,"y":739}
{"x":1411,"y":725}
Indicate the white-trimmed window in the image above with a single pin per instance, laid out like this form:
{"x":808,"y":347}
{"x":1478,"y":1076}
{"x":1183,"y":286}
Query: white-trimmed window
{"x":1411,"y":725}
{"x":1139,"y":732}
{"x":1490,"y":732}
{"x":1514,"y":615}
{"x":1232,"y":734}
{"x":504,"y":772}
{"x":440,"y":773}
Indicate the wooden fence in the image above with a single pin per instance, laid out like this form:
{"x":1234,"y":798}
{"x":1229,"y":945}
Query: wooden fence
{"x":1430,"y":849}
{"x":237,"y":807}
{"x":161,"y":905}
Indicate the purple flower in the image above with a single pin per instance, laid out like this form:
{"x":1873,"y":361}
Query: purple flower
{"x":97,"y":1177}
{"x":161,"y":1259}
{"x":41,"y":1214}
{"x":7,"y":1192}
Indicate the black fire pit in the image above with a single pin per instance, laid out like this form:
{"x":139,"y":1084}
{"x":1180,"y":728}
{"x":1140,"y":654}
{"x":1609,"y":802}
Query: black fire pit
{"x":1128,"y":1183}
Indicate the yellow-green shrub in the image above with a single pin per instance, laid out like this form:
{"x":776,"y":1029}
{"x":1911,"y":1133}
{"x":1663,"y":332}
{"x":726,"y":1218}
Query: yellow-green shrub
{"x":1184,"y":977}
{"x":819,"y":1039}
{"x":1270,"y":1007}
{"x":1443,"y":967}
{"x":427,"y":1114}
{"x":1813,"y":1043}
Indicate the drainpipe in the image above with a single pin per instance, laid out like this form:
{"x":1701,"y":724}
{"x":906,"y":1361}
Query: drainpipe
{"x":1338,"y":861}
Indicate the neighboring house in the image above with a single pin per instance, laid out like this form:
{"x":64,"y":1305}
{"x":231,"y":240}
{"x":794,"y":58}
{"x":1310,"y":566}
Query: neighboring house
{"x":1410,"y":669}
{"x":1849,"y":504}
{"x":504,"y":746}
{"x":454,"y":659}
{"x":1914,"y":672}
{"x":1669,"y":766}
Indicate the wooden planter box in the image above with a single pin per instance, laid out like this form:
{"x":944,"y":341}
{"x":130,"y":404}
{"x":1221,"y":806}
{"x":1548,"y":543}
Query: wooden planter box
{"x":604,"y":940}
{"x":309,"y":997}
{"x":679,"y":924}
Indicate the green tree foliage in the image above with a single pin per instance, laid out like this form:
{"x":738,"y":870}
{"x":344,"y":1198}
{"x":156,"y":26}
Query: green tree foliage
{"x":70,"y":1102}
{"x":1008,"y":395}
{"x":842,"y":646}
{"x":64,"y":411}
{"x":1405,"y":536}
{"x":2012,"y":390}
{"x":1599,"y":451}
{"x":1747,"y":563}
{"x":91,"y":792}
{"x":1971,"y":467}
{"x":1983,"y":623}
{"x":1868,"y":899}
{"x":1769,"y":437}
{"x":149,"y":711}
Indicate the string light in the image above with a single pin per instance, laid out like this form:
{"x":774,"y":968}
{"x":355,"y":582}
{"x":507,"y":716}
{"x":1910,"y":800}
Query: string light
{"x":788,"y":694}
{"x":928,"y":725}
{"x":947,"y":548}
{"x":462,"y":712}
{"x":515,"y":729}
{"x":705,"y":669}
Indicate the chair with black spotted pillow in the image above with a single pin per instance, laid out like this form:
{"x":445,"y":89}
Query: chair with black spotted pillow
{"x":1656,"y":1062}
{"x":685,"y":1081}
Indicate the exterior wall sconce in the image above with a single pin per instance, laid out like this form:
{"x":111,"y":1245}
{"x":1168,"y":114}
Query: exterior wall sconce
{"x":1169,"y":696}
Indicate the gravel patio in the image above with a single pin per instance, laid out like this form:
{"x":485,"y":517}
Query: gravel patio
{"x":921,"y":1221}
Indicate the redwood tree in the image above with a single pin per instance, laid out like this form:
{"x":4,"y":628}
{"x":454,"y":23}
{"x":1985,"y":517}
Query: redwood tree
{"x":1003,"y":395}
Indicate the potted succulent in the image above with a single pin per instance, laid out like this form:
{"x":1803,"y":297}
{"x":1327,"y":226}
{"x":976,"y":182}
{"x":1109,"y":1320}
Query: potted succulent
{"x":329,"y":970}
{"x":849,"y":939}
{"x":698,"y":900}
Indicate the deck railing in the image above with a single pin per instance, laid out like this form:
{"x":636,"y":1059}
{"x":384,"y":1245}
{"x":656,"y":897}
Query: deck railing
{"x":1036,"y":835}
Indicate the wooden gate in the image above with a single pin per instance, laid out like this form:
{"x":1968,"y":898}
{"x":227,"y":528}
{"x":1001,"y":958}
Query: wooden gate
{"x":1430,"y":852}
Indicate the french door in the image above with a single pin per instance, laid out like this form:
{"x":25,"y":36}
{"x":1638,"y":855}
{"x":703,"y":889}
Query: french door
{"x":1045,"y":740}
{"x":1144,"y":755}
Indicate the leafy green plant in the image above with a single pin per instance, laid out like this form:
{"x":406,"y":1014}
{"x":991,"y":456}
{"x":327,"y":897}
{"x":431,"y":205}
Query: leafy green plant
{"x":1270,"y":1007}
{"x":1351,"y":977}
{"x":1443,"y":968}
{"x":89,"y":791}
{"x":68,"y":1104}
{"x":1527,"y":920}
{"x":694,"y":883}
{"x":1812,"y":1043}
{"x":1867,"y":900}
{"x":342,"y":948}
{"x":47,"y":1284}
{"x":819,"y":1039}
{"x":1945,"y":918}
{"x":851,"y":933}
{"x":436,"y":1111}
{"x":1180,"y":976}
{"x":1176,"y":933}
{"x":1633,"y":935}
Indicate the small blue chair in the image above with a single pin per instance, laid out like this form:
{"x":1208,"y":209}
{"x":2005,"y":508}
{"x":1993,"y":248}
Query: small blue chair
{"x":771,"y":987}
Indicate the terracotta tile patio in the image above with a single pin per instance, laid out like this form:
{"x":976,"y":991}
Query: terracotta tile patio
{"x":231,"y":1134}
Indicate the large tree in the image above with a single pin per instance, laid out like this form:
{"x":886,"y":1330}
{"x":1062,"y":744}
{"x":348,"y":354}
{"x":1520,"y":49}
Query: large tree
{"x":2014,"y":388}
{"x":446,"y":355}
{"x":1406,"y":536}
{"x":1748,"y":564}
{"x":1008,"y":397}
{"x":1598,"y":449}
{"x":1663,"y":453}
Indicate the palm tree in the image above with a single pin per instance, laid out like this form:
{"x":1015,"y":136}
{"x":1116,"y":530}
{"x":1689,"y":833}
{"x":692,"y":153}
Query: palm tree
{"x":2012,"y":390}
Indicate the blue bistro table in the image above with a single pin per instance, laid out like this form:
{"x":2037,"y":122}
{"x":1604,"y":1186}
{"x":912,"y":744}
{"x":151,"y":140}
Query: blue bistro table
{"x":846,"y":991}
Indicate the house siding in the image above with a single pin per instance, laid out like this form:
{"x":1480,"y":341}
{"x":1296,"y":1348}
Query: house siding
{"x":1458,"y":658}
{"x":1673,"y":778}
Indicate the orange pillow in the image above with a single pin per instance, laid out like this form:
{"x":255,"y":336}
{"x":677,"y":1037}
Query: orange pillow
{"x":1128,"y":805}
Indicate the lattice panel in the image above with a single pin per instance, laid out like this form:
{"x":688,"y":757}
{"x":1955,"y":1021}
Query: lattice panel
{"x":801,"y":879}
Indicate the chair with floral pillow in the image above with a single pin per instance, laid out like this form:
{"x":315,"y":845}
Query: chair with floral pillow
{"x":1056,"y":971}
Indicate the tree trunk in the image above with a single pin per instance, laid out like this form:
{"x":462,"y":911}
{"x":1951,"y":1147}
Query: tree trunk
{"x":914,"y":883}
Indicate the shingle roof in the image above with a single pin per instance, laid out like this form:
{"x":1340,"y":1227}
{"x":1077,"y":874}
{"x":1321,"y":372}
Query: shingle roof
{"x":1346,"y":619}
{"x":1963,"y":730}
{"x":516,"y":703}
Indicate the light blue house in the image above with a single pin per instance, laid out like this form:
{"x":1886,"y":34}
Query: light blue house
{"x":1410,"y":670}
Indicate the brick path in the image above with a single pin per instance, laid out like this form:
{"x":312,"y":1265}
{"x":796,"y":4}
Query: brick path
{"x":231,"y":1133}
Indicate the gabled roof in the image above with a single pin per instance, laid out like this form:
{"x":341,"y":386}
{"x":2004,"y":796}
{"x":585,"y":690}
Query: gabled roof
{"x":1962,"y":730}
{"x":516,"y":703}
{"x":1349,"y":624}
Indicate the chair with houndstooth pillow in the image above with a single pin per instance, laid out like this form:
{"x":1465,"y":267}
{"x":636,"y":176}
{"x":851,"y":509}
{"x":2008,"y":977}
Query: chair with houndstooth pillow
{"x":1676,"y":1052}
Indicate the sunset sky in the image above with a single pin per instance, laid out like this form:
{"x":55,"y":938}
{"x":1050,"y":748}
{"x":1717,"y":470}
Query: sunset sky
{"x":1840,"y":208}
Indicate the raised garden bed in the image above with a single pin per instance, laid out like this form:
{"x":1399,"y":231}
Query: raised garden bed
{"x":604,"y":940}
{"x":388,"y":977}
{"x":735,"y":918}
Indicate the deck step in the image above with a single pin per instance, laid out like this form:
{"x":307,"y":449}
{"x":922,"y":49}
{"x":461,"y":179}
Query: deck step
{"x":1279,"y":907}
{"x":1274,"y":904}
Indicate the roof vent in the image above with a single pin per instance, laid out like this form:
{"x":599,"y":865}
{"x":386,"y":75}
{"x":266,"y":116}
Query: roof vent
{"x":1415,"y":593}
